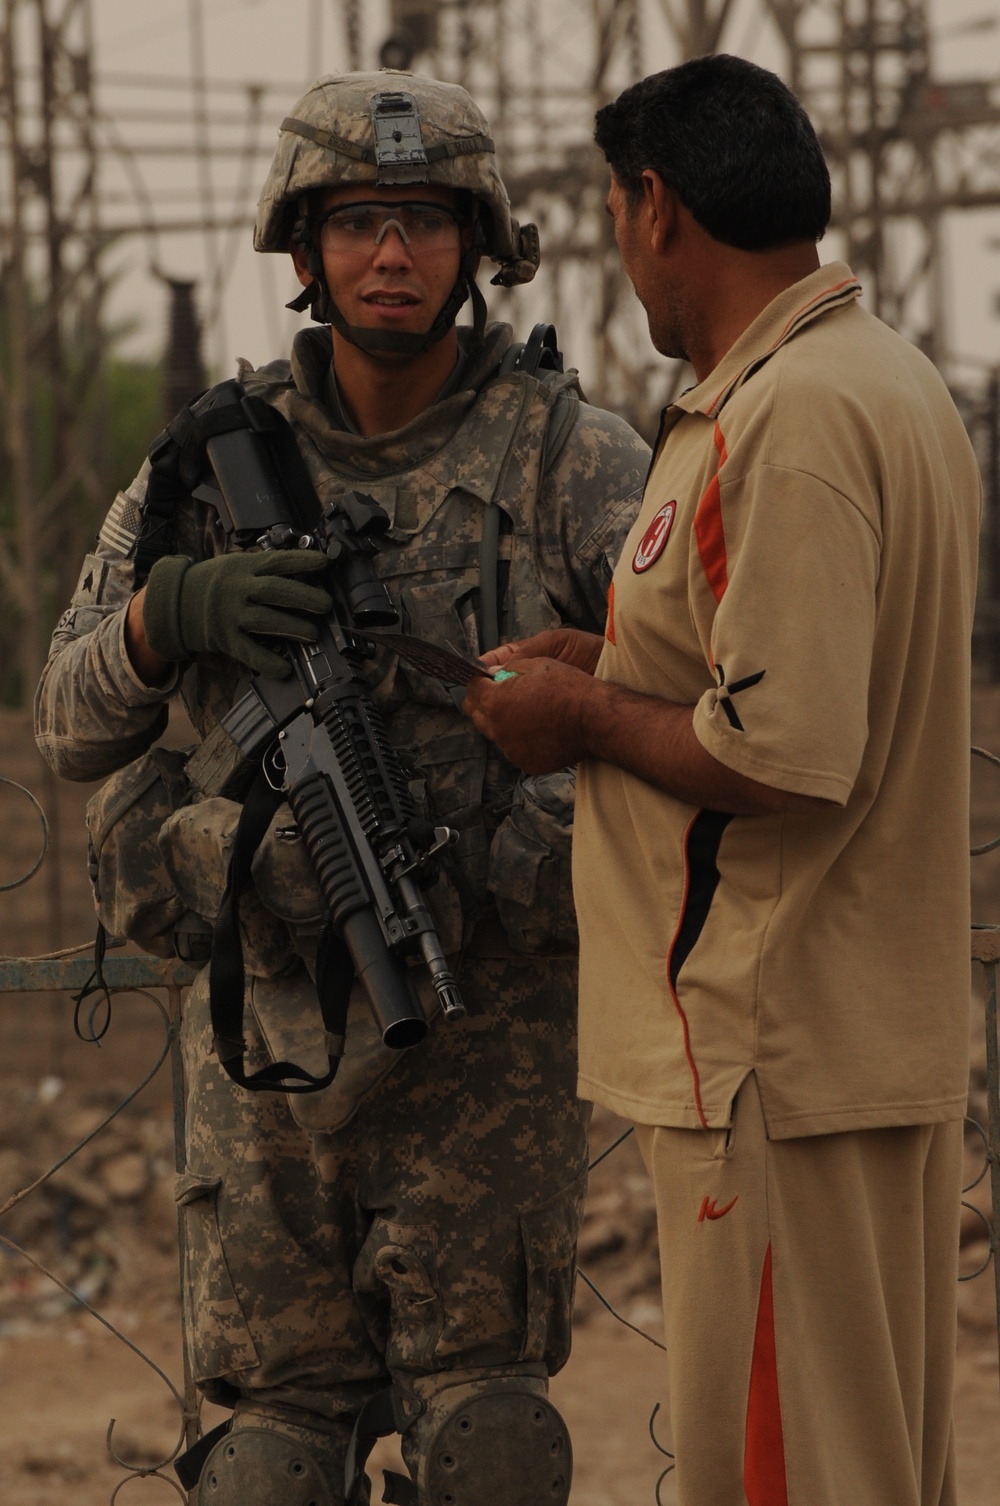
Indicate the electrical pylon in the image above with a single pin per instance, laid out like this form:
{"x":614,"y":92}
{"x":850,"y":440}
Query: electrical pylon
{"x":50,"y":297}
{"x":541,"y":73}
{"x":50,"y":248}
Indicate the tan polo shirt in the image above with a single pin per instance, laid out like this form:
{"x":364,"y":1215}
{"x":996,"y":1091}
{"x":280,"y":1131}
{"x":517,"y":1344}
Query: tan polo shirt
{"x":802,"y":572}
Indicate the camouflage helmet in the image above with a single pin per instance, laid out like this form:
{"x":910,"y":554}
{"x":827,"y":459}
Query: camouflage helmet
{"x":391,"y":129}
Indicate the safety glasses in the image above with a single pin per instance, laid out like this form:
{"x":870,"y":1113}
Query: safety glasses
{"x":361,"y":226}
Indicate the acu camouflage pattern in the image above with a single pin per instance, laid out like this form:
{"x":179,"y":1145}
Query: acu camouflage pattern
{"x":158,"y":865}
{"x":134,"y":894}
{"x":530,"y":865}
{"x":431,"y":1241}
{"x":340,"y":104}
{"x":434,"y":494}
{"x":483,"y":444}
{"x":416,"y":1219}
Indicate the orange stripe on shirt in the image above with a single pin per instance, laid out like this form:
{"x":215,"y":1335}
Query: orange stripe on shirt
{"x":708,"y":528}
{"x":764,"y":1479}
{"x":609,"y":631}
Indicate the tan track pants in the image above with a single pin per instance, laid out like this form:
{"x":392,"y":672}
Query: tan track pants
{"x":810,"y":1307}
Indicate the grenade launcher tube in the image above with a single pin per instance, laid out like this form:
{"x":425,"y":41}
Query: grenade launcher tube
{"x":350,"y":881}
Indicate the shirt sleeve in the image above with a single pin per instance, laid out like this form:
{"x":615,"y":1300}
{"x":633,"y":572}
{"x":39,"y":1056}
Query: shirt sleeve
{"x":93,"y":714}
{"x":791,"y":639}
{"x":588,"y":501}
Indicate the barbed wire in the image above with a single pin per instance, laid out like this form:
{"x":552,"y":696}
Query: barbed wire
{"x":30,"y":873}
{"x":664,"y":1451}
{"x":189,"y":1414}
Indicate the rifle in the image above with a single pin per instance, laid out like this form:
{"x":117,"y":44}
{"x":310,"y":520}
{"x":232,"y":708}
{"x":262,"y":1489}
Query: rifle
{"x":320,"y":743}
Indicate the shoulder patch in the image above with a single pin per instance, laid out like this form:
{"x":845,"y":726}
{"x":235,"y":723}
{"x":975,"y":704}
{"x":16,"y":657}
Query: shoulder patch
{"x":120,"y":528}
{"x":91,"y":582}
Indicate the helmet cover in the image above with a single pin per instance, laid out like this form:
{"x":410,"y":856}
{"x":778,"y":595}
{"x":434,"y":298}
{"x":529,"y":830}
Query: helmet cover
{"x":392,"y":127}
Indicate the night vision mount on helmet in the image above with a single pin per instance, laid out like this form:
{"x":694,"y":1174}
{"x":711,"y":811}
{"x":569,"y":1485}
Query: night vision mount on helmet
{"x":392,"y":129}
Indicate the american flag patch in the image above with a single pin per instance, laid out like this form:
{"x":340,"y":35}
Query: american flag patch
{"x":121,"y":526}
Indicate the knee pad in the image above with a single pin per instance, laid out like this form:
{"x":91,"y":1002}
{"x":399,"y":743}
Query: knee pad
{"x":261,"y":1467}
{"x":493,"y":1440}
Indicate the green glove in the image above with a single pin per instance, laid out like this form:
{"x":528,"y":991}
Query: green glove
{"x":220,"y":605}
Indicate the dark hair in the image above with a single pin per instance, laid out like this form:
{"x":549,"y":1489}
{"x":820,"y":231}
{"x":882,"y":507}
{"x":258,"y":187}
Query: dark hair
{"x":734,"y":143}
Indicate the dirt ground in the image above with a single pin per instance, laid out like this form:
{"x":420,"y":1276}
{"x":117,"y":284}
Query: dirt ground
{"x":104,"y":1224}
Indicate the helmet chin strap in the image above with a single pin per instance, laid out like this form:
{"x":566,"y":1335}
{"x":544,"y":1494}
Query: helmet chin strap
{"x":316,"y":297}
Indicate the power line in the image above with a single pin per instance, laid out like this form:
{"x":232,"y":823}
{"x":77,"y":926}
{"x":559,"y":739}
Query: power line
{"x":167,"y":27}
{"x":160,"y":81}
{"x":180,"y":149}
{"x":180,"y":117}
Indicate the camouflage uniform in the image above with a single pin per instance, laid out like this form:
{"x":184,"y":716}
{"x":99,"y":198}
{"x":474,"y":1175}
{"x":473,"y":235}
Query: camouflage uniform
{"x":417,"y":1219}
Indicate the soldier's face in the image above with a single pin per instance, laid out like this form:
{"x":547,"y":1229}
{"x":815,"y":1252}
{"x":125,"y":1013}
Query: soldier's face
{"x":390,"y":283}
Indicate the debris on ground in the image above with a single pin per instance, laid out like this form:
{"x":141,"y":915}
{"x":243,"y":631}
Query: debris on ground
{"x":104,"y":1222}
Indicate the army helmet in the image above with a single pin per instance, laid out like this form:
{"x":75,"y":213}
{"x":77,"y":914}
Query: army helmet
{"x":391,"y":128}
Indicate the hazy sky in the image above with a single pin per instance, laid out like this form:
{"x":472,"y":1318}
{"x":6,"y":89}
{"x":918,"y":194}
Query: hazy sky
{"x":287,"y":43}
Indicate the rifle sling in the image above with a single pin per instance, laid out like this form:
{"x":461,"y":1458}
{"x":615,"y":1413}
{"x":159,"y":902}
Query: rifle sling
{"x":335,"y":971}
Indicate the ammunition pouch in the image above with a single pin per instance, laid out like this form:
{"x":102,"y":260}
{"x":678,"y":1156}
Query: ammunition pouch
{"x":530,"y":871}
{"x":158,"y":861}
{"x":196,"y":842}
{"x":134,"y":892}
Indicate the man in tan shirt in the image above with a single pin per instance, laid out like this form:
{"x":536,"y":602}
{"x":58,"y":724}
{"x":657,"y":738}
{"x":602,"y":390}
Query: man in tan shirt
{"x":771,"y":842}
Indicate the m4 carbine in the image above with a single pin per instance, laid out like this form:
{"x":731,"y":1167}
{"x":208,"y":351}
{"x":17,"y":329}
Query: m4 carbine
{"x":321,"y":744}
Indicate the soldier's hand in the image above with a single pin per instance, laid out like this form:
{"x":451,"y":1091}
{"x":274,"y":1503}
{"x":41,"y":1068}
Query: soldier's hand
{"x":536,"y":717}
{"x":226,"y":604}
{"x":566,"y":645}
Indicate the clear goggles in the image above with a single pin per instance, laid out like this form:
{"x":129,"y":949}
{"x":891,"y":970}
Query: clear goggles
{"x":363,"y":225}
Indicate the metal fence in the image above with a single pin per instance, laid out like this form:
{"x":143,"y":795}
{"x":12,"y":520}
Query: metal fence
{"x":75,"y":974}
{"x":148,"y":978}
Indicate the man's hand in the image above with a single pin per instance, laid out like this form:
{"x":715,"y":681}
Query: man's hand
{"x":566,"y":645}
{"x":535,"y":717}
{"x":550,"y":714}
{"x":226,"y":605}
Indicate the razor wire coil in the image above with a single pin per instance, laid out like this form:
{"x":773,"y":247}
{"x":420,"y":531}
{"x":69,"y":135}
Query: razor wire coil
{"x":187,"y":1408}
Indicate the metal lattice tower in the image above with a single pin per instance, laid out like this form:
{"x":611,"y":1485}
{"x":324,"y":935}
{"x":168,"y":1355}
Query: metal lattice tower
{"x":904,"y":148}
{"x":540,"y":73}
{"x":51,"y":360}
{"x":862,"y":69}
{"x":50,"y":247}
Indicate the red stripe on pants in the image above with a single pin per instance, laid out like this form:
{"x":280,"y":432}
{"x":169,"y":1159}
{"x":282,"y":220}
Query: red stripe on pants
{"x":764,"y":1452}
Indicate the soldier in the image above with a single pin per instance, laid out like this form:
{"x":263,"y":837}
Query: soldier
{"x":395,"y":1252}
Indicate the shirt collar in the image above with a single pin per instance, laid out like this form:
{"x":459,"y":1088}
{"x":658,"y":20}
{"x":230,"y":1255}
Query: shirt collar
{"x":830,"y":287}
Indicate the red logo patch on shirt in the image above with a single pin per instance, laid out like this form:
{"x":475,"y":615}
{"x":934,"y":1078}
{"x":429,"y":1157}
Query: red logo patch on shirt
{"x":654,"y":539}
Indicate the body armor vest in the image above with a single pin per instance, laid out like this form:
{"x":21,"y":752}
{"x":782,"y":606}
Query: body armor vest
{"x":496,"y":456}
